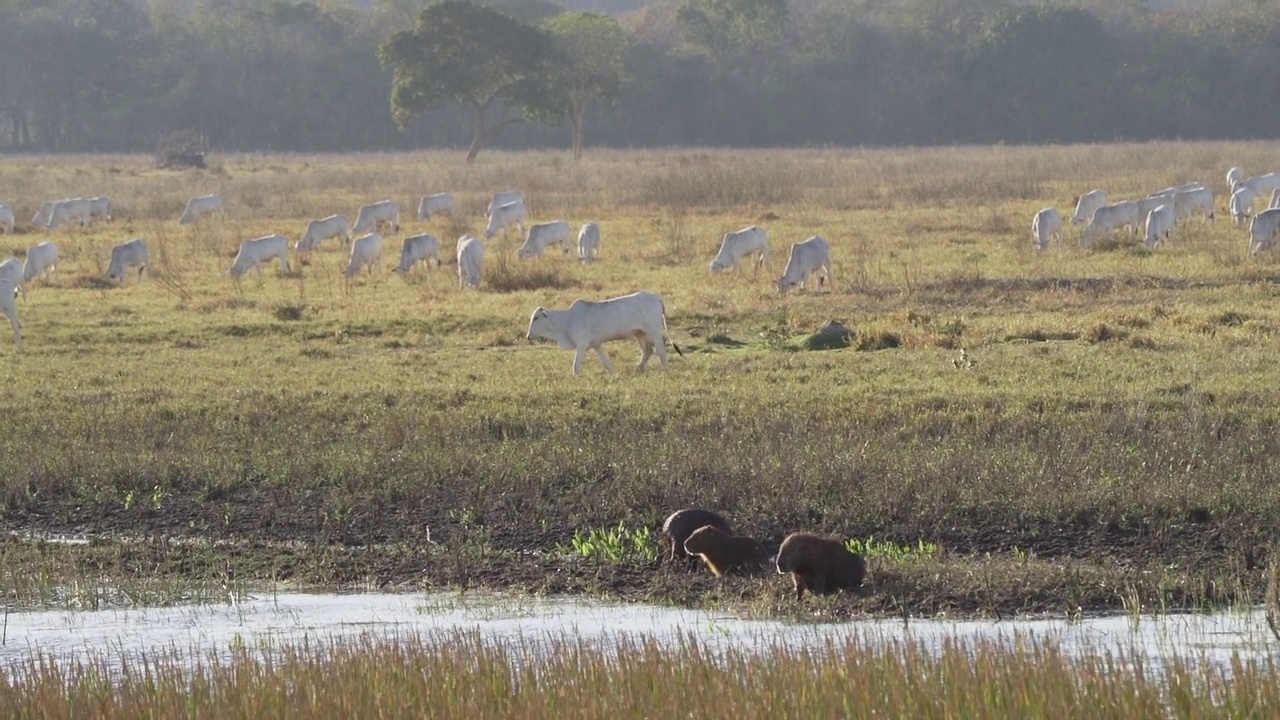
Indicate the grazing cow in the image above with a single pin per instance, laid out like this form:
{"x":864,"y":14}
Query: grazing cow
{"x":1045,"y":225}
{"x":1241,"y":205}
{"x":1275,"y":199}
{"x":589,"y":242}
{"x":40,"y":260}
{"x":503,"y":216}
{"x":1159,"y":223}
{"x":1188,"y":202}
{"x":1234,"y":175}
{"x":1111,"y":217}
{"x":9,"y":306}
{"x":374,"y":214}
{"x":321,"y":230}
{"x":100,"y":209}
{"x":1086,"y":204}
{"x":65,"y":212}
{"x":41,"y":218}
{"x":431,"y":204}
{"x":6,"y":219}
{"x":1263,"y":228}
{"x":1174,"y":190}
{"x":751,"y":241}
{"x":1151,"y":202}
{"x":587,"y":325}
{"x":198,"y":206}
{"x":1261,"y":184}
{"x":416,"y":248}
{"x":503,"y":198}
{"x":366,"y":251}
{"x":259,"y":250}
{"x":543,"y":235}
{"x":128,"y":255}
{"x":806,"y":258}
{"x":11,"y":270}
{"x":470,"y":261}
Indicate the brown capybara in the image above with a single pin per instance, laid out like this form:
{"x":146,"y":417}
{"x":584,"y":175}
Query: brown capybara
{"x":681,"y":524}
{"x":820,"y":565}
{"x":721,"y":551}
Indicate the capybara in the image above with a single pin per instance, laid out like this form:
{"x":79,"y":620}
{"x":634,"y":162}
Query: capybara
{"x":681,"y":524}
{"x":721,"y":551}
{"x":818,"y":564}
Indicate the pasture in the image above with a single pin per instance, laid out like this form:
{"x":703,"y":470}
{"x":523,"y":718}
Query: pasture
{"x":1076,"y":430}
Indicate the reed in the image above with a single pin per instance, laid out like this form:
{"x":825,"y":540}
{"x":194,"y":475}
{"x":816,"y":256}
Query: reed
{"x":456,"y":674}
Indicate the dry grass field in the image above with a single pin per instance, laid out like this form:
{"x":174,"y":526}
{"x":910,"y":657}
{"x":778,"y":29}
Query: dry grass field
{"x":1076,"y":430}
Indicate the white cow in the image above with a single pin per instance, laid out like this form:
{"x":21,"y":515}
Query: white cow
{"x":1151,"y":202}
{"x":587,"y":325}
{"x":1263,"y":228}
{"x":253,"y":253}
{"x":1175,"y":189}
{"x":431,"y":204}
{"x":1111,"y":217}
{"x":1275,"y":199}
{"x":1086,"y":204}
{"x":1159,"y":223}
{"x":589,"y":242}
{"x":503,"y":198}
{"x":366,"y":251}
{"x":40,"y":260}
{"x":100,"y":208}
{"x":470,"y":261}
{"x":41,"y":218}
{"x":1241,"y":204}
{"x":198,"y":206}
{"x":1234,"y":175}
{"x":503,"y":216}
{"x":71,"y":210}
{"x":373,"y":214}
{"x":11,"y":270}
{"x":6,"y":219}
{"x":128,"y":255}
{"x":1188,"y":202}
{"x":321,"y":230}
{"x":418,"y":248}
{"x":1044,"y":226}
{"x":751,"y":241}
{"x":544,"y":235}
{"x":808,"y":257}
{"x":1262,"y":184}
{"x":9,"y":306}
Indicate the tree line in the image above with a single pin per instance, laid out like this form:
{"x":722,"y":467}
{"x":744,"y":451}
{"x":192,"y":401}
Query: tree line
{"x":118,"y":75}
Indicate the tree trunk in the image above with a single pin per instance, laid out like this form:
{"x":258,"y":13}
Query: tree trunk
{"x":477,"y":140}
{"x":579,"y":111}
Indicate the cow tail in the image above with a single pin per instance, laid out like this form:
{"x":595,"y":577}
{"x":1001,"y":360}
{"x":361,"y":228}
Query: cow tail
{"x":667,"y":332}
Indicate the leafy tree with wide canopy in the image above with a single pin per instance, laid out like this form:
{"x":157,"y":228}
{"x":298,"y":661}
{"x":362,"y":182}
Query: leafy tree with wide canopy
{"x":481,"y":58}
{"x":595,"y":47}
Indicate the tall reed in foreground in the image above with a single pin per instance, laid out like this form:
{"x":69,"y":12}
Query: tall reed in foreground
{"x":460,"y":674}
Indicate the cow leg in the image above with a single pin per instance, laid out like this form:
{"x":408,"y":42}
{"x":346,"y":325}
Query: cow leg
{"x":578,"y":357}
{"x":17,"y":329}
{"x":604,"y":358}
{"x":646,"y":348}
{"x":659,"y":345}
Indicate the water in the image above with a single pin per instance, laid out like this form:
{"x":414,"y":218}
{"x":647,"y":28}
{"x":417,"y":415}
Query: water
{"x":279,"y":619}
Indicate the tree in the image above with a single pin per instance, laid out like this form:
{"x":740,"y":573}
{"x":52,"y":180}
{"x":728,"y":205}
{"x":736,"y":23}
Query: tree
{"x":725,"y":28}
{"x":595,"y":46}
{"x":465,"y":53}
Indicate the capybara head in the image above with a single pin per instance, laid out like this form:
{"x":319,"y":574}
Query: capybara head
{"x":705,"y":539}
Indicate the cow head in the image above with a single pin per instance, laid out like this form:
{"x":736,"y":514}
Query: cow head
{"x":785,"y":284}
{"x":539,"y":324}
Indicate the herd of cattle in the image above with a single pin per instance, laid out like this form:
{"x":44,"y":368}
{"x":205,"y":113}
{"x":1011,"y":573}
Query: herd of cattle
{"x":1157,"y":215}
{"x":583,"y":327}
{"x":586,"y":324}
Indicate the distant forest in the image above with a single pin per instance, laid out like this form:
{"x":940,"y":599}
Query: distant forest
{"x":251,"y":75}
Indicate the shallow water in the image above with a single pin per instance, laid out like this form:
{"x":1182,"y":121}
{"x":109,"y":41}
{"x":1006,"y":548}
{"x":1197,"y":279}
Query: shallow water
{"x":276,"y":619}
